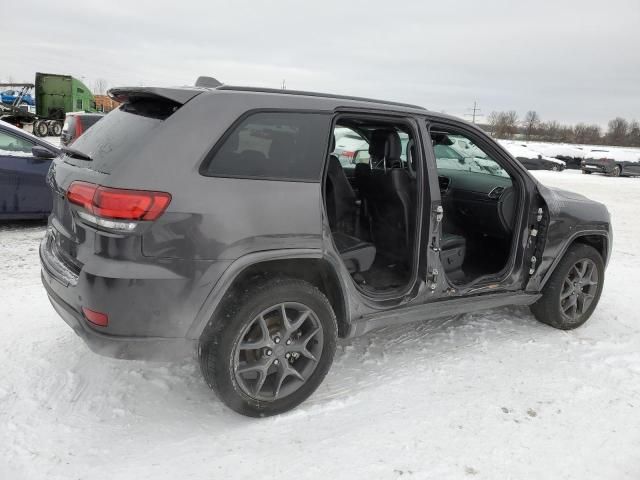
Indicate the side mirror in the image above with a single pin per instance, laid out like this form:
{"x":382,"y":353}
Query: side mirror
{"x":42,"y":152}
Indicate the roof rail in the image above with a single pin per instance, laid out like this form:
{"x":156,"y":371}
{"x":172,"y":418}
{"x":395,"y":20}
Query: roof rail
{"x":316,"y":94}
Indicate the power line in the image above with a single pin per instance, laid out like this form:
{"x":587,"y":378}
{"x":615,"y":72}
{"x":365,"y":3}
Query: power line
{"x":475,"y":112}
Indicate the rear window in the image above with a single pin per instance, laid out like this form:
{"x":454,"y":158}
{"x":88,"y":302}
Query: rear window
{"x":89,"y":120}
{"x":120,"y":132}
{"x":272,"y":145}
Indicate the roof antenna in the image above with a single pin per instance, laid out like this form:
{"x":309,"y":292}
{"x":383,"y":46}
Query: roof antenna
{"x":208,"y":82}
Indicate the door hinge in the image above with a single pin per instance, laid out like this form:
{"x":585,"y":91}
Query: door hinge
{"x":534,"y":260}
{"x":433,"y":279}
{"x":539,"y":215}
{"x":439,"y":211}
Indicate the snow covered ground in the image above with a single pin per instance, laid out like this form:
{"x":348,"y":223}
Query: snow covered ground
{"x":489,"y":395}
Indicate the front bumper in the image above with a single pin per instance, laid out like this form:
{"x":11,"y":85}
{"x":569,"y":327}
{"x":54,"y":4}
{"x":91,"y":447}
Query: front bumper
{"x":597,"y":167}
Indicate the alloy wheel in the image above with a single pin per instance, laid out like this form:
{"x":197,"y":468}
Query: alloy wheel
{"x":278,"y":351}
{"x":579,"y":289}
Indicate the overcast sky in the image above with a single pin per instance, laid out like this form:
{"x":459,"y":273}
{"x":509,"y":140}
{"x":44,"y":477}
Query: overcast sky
{"x":569,"y":60}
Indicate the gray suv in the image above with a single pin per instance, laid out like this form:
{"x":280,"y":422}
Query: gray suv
{"x":215,"y":219}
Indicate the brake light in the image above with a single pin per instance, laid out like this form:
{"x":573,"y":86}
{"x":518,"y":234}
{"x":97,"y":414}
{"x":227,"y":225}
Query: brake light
{"x":79,"y":128}
{"x":97,"y":318}
{"x":348,"y":154}
{"x":118,"y":203}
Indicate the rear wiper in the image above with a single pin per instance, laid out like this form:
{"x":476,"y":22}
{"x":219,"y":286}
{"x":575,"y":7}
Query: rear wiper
{"x":72,"y":152}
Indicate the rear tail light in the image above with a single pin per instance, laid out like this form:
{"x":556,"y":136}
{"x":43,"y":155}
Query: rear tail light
{"x":79,"y":128}
{"x":103,"y":205}
{"x":348,"y":154}
{"x":97,"y":318}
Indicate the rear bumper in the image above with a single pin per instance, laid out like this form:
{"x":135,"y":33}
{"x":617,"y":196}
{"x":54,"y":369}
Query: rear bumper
{"x":116,"y":346}
{"x":150,"y":305}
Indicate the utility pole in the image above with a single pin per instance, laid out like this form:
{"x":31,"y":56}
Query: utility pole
{"x":475,"y":112}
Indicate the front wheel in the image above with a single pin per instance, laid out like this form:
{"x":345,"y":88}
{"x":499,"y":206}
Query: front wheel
{"x":573,"y":291}
{"x":40,"y":128}
{"x":271,"y":347}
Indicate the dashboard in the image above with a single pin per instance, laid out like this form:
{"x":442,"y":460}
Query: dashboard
{"x":481,"y":202}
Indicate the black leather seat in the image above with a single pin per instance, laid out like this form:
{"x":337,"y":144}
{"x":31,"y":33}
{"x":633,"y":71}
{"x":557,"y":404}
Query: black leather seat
{"x":340,"y":197}
{"x":389,"y":194}
{"x":357,"y":255}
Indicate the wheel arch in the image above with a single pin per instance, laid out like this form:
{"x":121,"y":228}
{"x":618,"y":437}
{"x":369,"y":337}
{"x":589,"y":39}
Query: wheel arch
{"x":308,"y":266}
{"x":596,"y":239}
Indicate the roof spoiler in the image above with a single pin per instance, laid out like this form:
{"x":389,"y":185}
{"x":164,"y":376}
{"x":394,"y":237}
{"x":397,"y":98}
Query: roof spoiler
{"x":177,"y":95}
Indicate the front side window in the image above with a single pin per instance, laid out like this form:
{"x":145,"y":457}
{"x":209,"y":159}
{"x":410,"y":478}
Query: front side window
{"x":14,"y":145}
{"x":273,"y":145}
{"x":457,"y":152}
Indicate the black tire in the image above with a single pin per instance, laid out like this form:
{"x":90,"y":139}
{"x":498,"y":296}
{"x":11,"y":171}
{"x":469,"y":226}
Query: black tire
{"x":586,"y":172}
{"x":40,"y":128}
{"x":55,"y":129}
{"x":548,"y":308}
{"x":616,"y":171}
{"x":219,"y":346}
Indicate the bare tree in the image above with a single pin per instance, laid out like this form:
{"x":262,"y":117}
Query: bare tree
{"x":531,"y":122}
{"x":583,"y":133}
{"x":633,"y":137}
{"x":100,"y":86}
{"x":493,"y":120}
{"x":617,"y":132}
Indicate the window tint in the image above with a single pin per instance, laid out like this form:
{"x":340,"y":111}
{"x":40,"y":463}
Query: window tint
{"x":13,"y":145}
{"x":281,"y":145}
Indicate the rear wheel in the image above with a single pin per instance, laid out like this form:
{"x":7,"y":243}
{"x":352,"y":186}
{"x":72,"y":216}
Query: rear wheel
{"x":271,"y":348}
{"x":55,"y":129}
{"x":615,"y":171}
{"x":573,"y":291}
{"x":586,"y":172}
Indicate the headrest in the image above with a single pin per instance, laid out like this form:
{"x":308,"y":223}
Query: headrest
{"x":385,"y":144}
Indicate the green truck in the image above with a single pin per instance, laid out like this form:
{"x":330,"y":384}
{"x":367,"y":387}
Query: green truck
{"x":55,"y":96}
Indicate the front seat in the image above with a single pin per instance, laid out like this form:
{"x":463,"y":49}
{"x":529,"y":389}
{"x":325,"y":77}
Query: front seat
{"x":453,"y":249}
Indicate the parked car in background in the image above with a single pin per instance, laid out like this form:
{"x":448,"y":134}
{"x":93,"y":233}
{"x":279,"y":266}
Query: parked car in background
{"x":24,"y":163}
{"x":614,"y":163}
{"x":348,"y":143}
{"x":213,"y":221}
{"x":75,"y":124}
{"x":9,"y":96}
{"x":532,"y":159}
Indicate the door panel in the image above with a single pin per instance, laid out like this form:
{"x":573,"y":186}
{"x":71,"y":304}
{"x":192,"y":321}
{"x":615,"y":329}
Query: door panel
{"x":22,"y":177}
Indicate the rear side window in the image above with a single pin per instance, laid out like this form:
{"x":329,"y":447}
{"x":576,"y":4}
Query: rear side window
{"x":273,"y":145}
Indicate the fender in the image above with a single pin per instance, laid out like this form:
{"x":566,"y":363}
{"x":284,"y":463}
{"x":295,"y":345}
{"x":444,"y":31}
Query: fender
{"x":237,"y":267}
{"x":568,"y":243}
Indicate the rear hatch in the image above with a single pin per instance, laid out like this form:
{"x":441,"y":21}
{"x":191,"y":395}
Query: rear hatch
{"x":80,"y":230}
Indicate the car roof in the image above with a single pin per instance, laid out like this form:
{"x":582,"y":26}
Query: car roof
{"x":184,"y":94}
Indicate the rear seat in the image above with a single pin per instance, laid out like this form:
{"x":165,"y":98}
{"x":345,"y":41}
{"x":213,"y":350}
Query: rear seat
{"x":358,"y":256}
